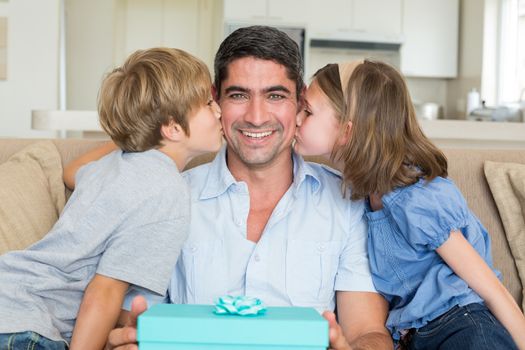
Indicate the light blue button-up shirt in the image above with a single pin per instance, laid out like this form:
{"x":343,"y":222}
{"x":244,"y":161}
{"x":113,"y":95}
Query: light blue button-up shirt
{"x":314,"y":243}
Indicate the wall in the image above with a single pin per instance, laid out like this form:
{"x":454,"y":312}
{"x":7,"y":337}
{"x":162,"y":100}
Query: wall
{"x":32,"y":64}
{"x":90,"y":54}
{"x":122,"y":26}
{"x":470,"y":56}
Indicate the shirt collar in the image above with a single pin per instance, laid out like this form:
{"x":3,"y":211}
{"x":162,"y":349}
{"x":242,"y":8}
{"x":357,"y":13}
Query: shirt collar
{"x":220,"y":179}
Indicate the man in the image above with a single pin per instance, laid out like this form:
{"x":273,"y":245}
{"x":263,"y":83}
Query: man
{"x":264,"y":222}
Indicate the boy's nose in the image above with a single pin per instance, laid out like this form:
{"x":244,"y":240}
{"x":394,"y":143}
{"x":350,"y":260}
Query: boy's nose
{"x":216,"y":110}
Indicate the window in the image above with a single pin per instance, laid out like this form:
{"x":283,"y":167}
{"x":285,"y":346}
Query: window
{"x":503,"y":77}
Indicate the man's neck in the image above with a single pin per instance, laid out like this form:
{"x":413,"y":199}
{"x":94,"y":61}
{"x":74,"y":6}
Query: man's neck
{"x":277,"y":174}
{"x":266,"y":184}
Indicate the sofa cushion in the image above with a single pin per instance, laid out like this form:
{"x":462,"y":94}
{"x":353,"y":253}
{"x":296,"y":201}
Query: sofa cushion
{"x":507,"y":184}
{"x":32,"y":195}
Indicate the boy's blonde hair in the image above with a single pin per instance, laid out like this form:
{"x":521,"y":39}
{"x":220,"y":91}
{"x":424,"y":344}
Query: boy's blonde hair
{"x":387,"y":148}
{"x":152,"y":88}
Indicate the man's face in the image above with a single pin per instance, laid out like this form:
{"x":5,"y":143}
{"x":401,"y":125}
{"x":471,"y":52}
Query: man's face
{"x":259,"y":107}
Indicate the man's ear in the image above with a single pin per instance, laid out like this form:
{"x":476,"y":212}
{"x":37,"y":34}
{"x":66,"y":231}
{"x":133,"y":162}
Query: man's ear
{"x":214,"y":93}
{"x":347,"y":133}
{"x":301,"y":101}
{"x":172,"y":132}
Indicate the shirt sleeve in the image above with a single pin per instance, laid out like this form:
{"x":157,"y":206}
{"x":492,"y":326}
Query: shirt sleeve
{"x":427,"y":212}
{"x":145,"y":256}
{"x":354,"y":273}
{"x":151,"y":298}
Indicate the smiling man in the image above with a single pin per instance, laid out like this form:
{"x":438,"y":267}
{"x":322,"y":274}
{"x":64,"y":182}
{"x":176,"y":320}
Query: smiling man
{"x":264,"y":222}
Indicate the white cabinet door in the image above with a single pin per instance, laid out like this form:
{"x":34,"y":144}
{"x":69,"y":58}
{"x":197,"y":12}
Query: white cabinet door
{"x":430,"y":29}
{"x":381,"y":17}
{"x":330,"y":18}
{"x":184,"y":24}
{"x":245,"y":10}
{"x":289,"y":11}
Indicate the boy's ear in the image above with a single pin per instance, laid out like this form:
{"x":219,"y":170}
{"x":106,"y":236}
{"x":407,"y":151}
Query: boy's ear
{"x":347,"y":133}
{"x":172,"y":132}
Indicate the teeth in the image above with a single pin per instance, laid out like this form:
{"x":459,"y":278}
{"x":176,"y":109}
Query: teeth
{"x":257,"y":135}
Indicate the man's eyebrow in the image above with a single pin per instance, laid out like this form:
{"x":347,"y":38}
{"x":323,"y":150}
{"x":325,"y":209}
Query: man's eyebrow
{"x":236,"y":88}
{"x":277,"y":88}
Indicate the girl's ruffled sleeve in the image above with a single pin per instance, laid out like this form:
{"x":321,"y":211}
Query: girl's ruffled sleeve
{"x":427,"y":212}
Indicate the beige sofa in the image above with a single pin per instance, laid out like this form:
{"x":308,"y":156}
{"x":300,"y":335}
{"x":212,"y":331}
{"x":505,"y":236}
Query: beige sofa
{"x":465,"y":168}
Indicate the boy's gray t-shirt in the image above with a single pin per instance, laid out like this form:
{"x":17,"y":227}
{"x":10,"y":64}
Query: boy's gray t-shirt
{"x":126,"y":219}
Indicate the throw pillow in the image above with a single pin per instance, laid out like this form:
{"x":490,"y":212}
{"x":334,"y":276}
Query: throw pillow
{"x":507,"y":184}
{"x":32,"y":195}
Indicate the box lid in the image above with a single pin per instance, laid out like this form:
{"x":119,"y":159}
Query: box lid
{"x":291,"y":326}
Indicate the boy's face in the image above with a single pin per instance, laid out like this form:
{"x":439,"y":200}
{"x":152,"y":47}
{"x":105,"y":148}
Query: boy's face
{"x":205,"y":129}
{"x":259,"y":108}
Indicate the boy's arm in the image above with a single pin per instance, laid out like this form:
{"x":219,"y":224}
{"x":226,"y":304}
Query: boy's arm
{"x":99,"y":312}
{"x":71,"y":169}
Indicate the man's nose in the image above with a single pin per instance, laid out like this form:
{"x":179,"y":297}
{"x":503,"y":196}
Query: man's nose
{"x":257,"y":113}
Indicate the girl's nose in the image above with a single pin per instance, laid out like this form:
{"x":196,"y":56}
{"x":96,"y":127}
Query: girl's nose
{"x":299,"y":118}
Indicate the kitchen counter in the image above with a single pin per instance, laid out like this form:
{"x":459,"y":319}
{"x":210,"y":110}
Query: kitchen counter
{"x":444,"y":133}
{"x":474,"y":134}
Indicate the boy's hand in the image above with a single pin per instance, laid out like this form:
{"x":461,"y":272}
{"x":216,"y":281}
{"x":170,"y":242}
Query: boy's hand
{"x":337,"y":339}
{"x":125,"y":338}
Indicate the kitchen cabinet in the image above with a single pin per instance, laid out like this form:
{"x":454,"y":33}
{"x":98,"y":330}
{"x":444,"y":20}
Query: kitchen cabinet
{"x":245,"y":10}
{"x":267,"y":11}
{"x":430,"y":31}
{"x":359,"y":20}
{"x":381,"y":17}
{"x":184,"y":24}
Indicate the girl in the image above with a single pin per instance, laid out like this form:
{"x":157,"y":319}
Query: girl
{"x":429,"y":255}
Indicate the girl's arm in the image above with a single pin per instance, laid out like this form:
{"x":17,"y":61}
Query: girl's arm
{"x":465,"y":261}
{"x":71,"y":169}
{"x":99,"y":312}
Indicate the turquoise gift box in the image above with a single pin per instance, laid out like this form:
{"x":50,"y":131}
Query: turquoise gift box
{"x":197,"y":327}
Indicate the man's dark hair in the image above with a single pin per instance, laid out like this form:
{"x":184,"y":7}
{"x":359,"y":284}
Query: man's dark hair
{"x":264,"y":43}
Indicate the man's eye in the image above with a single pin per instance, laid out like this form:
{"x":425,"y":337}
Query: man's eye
{"x":307,"y":112}
{"x":276,"y":97}
{"x":237,"y":96}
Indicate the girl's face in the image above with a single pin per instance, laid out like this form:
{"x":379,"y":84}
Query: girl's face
{"x":317,"y":125}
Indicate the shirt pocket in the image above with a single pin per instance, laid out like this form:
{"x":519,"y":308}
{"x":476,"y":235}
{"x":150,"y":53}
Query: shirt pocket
{"x":311,"y":267}
{"x":205,"y":271}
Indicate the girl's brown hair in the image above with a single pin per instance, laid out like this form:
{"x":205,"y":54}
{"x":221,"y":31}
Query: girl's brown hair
{"x":152,"y":88}
{"x":387,"y":148}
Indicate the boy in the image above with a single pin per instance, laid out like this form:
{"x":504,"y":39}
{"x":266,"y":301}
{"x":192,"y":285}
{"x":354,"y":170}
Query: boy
{"x":129,"y":209}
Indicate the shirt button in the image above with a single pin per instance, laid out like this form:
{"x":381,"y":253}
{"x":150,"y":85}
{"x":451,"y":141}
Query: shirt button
{"x":321,"y":247}
{"x":238,"y":222}
{"x":193,"y":248}
{"x":257,"y":258}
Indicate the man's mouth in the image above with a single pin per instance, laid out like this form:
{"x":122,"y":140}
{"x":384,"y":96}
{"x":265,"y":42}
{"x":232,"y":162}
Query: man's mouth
{"x":256,"y":135}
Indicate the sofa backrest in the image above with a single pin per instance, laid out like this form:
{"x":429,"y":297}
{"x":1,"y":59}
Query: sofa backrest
{"x":465,"y":168}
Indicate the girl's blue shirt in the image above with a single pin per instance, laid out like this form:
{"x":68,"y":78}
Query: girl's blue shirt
{"x":402,"y":242}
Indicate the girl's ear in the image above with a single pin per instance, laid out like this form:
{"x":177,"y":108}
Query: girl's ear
{"x":347,"y":133}
{"x":172,"y":132}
